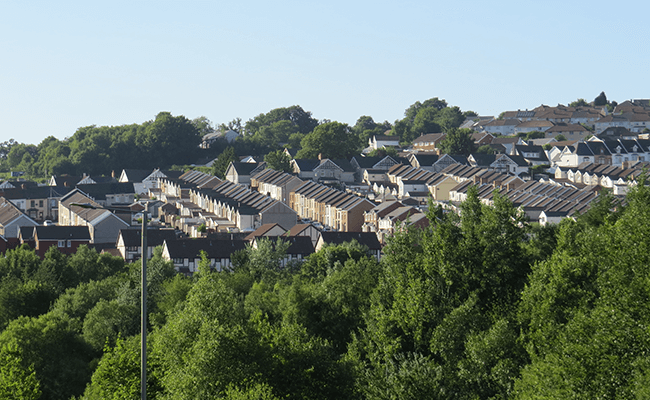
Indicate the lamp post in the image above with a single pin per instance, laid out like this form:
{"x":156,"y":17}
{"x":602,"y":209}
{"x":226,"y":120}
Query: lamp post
{"x":143,"y":292}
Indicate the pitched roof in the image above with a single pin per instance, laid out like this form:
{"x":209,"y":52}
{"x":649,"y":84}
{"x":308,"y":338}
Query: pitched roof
{"x":368,"y":239}
{"x":99,"y":191}
{"x":243,"y":168}
{"x":215,"y":248}
{"x":55,"y":232}
{"x":263,"y":230}
{"x":155,"y":237}
{"x":9,"y":212}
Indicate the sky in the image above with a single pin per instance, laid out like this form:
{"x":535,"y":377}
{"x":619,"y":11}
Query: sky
{"x":70,"y":64}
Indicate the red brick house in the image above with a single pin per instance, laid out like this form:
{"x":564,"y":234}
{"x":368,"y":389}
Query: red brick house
{"x":66,"y":238}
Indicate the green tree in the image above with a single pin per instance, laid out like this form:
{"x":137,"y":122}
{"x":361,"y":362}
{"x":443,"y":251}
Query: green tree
{"x":458,"y":141}
{"x":301,"y":119}
{"x":443,"y":311}
{"x":118,"y":373}
{"x":223,"y":161}
{"x":279,"y":161}
{"x":16,"y":381}
{"x":601,"y":99}
{"x":584,"y":311}
{"x":203,"y":125}
{"x":331,"y":140}
{"x":51,"y":344}
{"x":578,"y":103}
{"x":485,"y":149}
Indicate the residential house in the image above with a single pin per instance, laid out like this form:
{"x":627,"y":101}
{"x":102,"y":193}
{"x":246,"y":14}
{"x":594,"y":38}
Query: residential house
{"x":508,"y":143}
{"x":266,"y":230}
{"x":333,"y":208}
{"x":39,"y":202}
{"x":66,"y":239}
{"x":275,"y":184}
{"x":104,"y":226}
{"x":379,"y":141}
{"x":510,"y":164}
{"x":12,"y":219}
{"x":482,"y":138}
{"x":534,"y":155}
{"x":69,"y":181}
{"x":530,"y":126}
{"x":325,"y":170}
{"x":363,"y":164}
{"x":229,"y":206}
{"x":429,"y":142}
{"x":185,"y":254}
{"x":501,"y":127}
{"x":112,"y":194}
{"x":425,"y":161}
{"x":569,"y":131}
{"x":129,"y":242}
{"x":306,"y":230}
{"x":240,"y":173}
{"x":144,"y":181}
{"x":372,"y":216}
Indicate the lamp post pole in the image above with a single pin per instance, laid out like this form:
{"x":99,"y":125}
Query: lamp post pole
{"x":143,"y":310}
{"x":143,"y":290}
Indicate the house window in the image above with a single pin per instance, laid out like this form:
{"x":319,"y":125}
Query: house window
{"x":33,"y":203}
{"x":40,"y":203}
{"x":61,"y":243}
{"x":69,"y":243}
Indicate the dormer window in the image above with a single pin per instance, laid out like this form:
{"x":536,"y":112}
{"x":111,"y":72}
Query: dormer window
{"x":618,"y":149}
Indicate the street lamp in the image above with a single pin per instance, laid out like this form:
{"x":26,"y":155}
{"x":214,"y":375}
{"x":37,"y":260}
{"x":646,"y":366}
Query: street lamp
{"x":143,"y":291}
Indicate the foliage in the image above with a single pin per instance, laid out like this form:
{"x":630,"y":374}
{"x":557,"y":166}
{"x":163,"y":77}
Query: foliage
{"x":585,"y":310}
{"x":579,"y":103}
{"x":560,"y":138}
{"x":526,"y":136}
{"x":441,"y":320}
{"x":485,"y":149}
{"x":60,"y":358}
{"x":458,"y":141}
{"x":279,"y":161}
{"x":295,"y":115}
{"x":332,"y":140}
{"x":365,"y":128}
{"x":16,"y":381}
{"x":118,"y":374}
{"x":383,"y":152}
{"x":601,"y":99}
{"x":431,"y":116}
{"x":223,"y":161}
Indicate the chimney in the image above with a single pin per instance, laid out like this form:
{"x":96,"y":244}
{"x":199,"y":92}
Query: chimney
{"x":320,"y":156}
{"x":113,"y":173}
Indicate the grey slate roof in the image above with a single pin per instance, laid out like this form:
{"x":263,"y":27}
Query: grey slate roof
{"x":55,"y":232}
{"x":155,"y":237}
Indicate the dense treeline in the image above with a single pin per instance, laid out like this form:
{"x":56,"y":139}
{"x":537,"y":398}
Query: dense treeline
{"x":171,"y":140}
{"x":95,"y":150}
{"x":480,"y":305}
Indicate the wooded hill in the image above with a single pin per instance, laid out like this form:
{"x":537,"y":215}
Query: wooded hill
{"x":171,"y":140}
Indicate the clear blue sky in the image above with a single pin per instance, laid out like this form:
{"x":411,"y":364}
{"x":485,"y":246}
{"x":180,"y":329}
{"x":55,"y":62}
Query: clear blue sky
{"x":68,"y":64}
